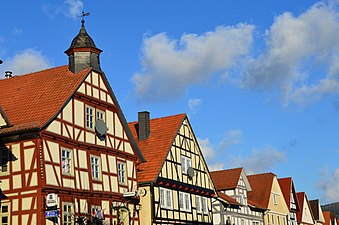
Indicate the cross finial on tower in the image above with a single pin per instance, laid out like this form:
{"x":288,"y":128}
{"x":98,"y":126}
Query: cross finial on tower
{"x":83,"y":18}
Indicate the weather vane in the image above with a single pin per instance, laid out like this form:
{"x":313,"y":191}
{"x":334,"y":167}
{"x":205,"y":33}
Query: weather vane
{"x":83,"y":17}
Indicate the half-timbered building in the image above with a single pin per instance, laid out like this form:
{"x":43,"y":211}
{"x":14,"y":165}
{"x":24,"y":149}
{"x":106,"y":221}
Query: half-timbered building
{"x":174,"y":183}
{"x":290,"y":196}
{"x":266,"y":192}
{"x":234,"y":183}
{"x":67,"y":155}
{"x":305,"y":215}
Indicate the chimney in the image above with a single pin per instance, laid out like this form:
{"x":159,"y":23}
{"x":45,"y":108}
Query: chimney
{"x":144,"y":128}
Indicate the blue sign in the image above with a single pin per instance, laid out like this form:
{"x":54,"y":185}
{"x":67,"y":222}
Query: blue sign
{"x":52,"y":213}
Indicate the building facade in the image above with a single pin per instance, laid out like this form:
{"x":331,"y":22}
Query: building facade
{"x":291,"y":199}
{"x":175,"y":184}
{"x":267,"y":193}
{"x":67,"y":155}
{"x":234,"y":184}
{"x":305,"y":215}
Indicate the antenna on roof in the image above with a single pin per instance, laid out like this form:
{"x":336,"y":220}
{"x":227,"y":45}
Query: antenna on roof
{"x":1,"y":61}
{"x":83,"y":18}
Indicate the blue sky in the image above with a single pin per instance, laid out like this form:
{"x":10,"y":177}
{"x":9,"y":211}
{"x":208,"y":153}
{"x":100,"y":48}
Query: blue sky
{"x":258,"y":80}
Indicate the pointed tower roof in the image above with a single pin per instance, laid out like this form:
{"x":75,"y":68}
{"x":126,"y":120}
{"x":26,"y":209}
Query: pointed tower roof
{"x":83,"y":53}
{"x":82,"y":40}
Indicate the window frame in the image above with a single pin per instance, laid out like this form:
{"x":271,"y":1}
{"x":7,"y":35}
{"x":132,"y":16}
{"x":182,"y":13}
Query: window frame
{"x":185,"y":199}
{"x":70,"y":151}
{"x":69,"y":214}
{"x":167,"y":202}
{"x":4,"y":159}
{"x":5,"y":214}
{"x":98,"y":166}
{"x":102,"y":113}
{"x":198,"y":203}
{"x":275,"y":200}
{"x":204,"y":205}
{"x":92,"y":116}
{"x":124,"y":177}
{"x":184,"y":164}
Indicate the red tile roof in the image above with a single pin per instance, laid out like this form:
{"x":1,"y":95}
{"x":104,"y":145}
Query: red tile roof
{"x":327,"y":217}
{"x":255,"y":204}
{"x":226,"y":179}
{"x":315,"y":209}
{"x":287,"y":187}
{"x":228,"y":199}
{"x":156,"y":147}
{"x":31,"y":101}
{"x":301,"y":196}
{"x":261,"y":188}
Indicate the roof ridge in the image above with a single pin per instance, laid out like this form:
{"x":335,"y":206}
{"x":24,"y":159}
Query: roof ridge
{"x":266,"y":173}
{"x":227,"y":169}
{"x":163,"y":117}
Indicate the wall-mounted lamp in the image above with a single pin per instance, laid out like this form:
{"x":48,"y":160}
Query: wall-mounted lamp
{"x":138,"y":207}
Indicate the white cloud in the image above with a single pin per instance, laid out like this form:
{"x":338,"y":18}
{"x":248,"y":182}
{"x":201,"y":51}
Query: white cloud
{"x":26,"y":61}
{"x":216,"y":166}
{"x":74,"y":8}
{"x":231,"y":137}
{"x":330,"y":185}
{"x":206,"y":148}
{"x":262,"y":160}
{"x":169,"y":66}
{"x":301,"y":57}
{"x":69,"y":8}
{"x":193,"y":105}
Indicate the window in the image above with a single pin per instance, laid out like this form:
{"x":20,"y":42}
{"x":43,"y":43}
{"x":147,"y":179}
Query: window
{"x":272,"y":219}
{"x":97,"y":211}
{"x":95,"y":165}
{"x":255,"y":223}
{"x":67,"y":213}
{"x":275,"y":199}
{"x":165,"y":198}
{"x":66,"y":160}
{"x":100,"y":115}
{"x":198,"y":203}
{"x":122,"y":172}
{"x":278,"y":220}
{"x":4,"y":160}
{"x":184,"y":201}
{"x":89,"y":117}
{"x":204,"y":205}
{"x":185,"y":163}
{"x":4,"y":214}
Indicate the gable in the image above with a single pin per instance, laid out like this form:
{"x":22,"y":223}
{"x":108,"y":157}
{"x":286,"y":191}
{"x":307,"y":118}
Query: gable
{"x":321,"y":215}
{"x":36,"y":98}
{"x":277,"y":201}
{"x":244,"y":181}
{"x":185,"y":152}
{"x":307,"y":216}
{"x":94,"y":99}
